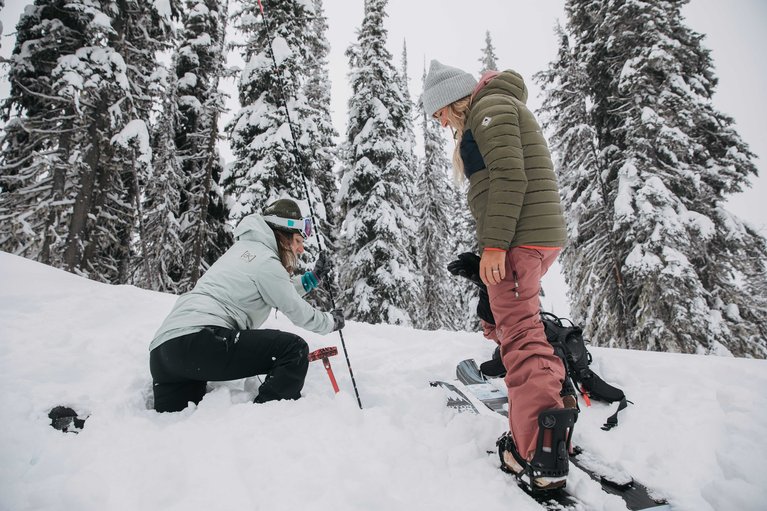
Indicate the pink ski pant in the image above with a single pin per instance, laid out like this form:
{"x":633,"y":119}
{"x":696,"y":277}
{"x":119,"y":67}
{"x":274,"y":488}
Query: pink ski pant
{"x":534,"y":374}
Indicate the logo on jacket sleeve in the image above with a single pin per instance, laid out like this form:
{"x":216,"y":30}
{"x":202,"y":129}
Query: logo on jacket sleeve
{"x":248,"y":256}
{"x":486,"y":121}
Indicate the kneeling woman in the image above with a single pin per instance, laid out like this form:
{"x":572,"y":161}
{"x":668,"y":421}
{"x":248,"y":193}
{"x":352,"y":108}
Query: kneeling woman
{"x":212,"y":332}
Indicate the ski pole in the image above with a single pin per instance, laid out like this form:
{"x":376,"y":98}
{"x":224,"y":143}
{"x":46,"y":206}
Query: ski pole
{"x":299,"y":159}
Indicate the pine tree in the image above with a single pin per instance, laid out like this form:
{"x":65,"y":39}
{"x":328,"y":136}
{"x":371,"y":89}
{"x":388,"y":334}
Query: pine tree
{"x":138,"y":32}
{"x":406,"y":116}
{"x":654,"y":260}
{"x":465,"y":229}
{"x":378,"y":273}
{"x":322,"y":150}
{"x":267,"y":165}
{"x":83,"y":79}
{"x":317,"y":88}
{"x":163,"y":263}
{"x":440,"y":299}
{"x":488,"y":60}
{"x":185,"y":203}
{"x":38,"y":151}
{"x":200,"y":67}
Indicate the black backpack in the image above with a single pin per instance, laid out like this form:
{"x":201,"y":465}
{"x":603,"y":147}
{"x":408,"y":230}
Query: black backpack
{"x":569,"y":345}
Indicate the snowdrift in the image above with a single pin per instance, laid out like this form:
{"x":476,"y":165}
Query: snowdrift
{"x":697,"y":431}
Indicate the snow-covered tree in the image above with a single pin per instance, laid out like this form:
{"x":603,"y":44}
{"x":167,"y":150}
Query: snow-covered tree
{"x":322,"y":150}
{"x":206,"y":235}
{"x":323,"y":153}
{"x":74,"y":151}
{"x":440,"y":304}
{"x":654,"y":261}
{"x":488,"y":59}
{"x":379,"y":274}
{"x":185,"y":206}
{"x":137,"y":33}
{"x":267,"y":164}
{"x":36,"y":143}
{"x":162,"y":263}
{"x":465,"y":235}
{"x":406,"y":117}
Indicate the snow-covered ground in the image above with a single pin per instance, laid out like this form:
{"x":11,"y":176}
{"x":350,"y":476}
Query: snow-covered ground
{"x":697,"y":430}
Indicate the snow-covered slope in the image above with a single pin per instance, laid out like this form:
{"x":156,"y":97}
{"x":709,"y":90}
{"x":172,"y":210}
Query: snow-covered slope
{"x":697,"y":430}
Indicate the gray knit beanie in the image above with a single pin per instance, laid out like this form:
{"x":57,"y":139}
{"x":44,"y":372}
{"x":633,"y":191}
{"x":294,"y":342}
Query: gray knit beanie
{"x":444,"y":85}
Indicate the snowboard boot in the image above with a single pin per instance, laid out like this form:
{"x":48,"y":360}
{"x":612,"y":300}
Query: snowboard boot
{"x":550,"y":464}
{"x":493,"y":368}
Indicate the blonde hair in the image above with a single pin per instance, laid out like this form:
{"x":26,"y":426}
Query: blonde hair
{"x":285,"y":250}
{"x":456,"y":119}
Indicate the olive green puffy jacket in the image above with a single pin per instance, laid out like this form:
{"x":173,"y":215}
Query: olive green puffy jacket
{"x":513,"y":193}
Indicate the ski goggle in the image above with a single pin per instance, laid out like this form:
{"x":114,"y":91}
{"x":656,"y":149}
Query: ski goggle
{"x":302,"y":225}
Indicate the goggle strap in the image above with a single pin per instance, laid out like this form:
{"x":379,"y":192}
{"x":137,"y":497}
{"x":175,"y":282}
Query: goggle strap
{"x":303,"y":225}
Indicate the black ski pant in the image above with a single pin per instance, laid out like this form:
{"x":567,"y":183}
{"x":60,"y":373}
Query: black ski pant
{"x":181,"y":367}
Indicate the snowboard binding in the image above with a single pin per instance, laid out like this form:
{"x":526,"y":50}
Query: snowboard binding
{"x":550,"y":464}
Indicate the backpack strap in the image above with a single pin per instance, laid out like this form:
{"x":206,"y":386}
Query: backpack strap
{"x":612,"y":420}
{"x":603,"y":391}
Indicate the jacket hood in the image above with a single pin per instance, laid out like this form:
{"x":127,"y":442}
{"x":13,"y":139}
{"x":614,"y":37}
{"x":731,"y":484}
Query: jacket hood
{"x":506,"y":82}
{"x":254,"y":228}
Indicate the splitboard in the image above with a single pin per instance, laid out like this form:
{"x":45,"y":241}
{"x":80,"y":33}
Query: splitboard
{"x":473,"y":392}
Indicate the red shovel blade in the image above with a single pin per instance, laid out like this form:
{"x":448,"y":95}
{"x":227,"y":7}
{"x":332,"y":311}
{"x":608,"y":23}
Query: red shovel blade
{"x":323,"y":353}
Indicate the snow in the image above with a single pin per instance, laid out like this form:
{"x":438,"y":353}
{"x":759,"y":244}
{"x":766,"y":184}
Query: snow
{"x":163,"y":8}
{"x":628,"y":180}
{"x":695,"y":432}
{"x":203,"y":40}
{"x":701,"y":224}
{"x":642,"y":262}
{"x":281,"y":49}
{"x":102,"y":21}
{"x":135,"y":130}
{"x":191,"y":102}
{"x":188,"y":81}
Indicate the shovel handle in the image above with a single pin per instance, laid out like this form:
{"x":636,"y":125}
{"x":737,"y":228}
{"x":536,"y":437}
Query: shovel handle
{"x":326,"y":363}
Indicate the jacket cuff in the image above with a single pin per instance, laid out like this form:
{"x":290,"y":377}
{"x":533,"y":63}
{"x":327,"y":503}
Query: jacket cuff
{"x":309,"y":281}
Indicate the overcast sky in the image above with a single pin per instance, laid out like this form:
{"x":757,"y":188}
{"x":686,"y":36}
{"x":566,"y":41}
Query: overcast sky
{"x":453,"y":32}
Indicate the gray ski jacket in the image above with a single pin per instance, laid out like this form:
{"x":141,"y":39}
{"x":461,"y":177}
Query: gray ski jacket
{"x":241,"y":288}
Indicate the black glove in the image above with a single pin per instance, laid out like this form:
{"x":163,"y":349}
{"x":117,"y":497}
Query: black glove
{"x":322,"y":267}
{"x":483,"y":307}
{"x":467,"y":266}
{"x":338,"y":319}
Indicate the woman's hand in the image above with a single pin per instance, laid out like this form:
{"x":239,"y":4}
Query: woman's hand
{"x":338,"y":319}
{"x":492,"y":266}
{"x":322,"y":267}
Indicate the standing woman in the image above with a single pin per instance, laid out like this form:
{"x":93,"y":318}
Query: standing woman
{"x":514,"y":199}
{"x":213,"y":334}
